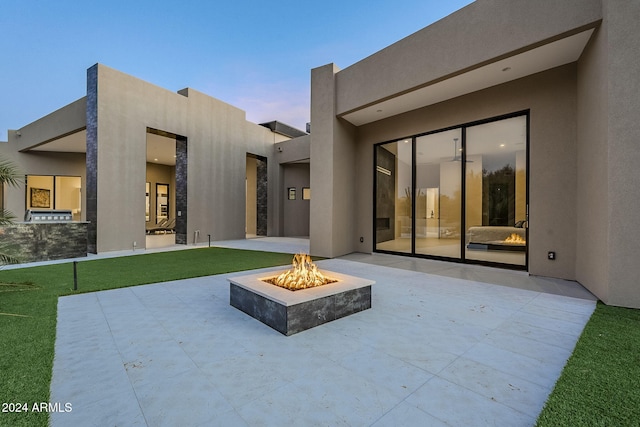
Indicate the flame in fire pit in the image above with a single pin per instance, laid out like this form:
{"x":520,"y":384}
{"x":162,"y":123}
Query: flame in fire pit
{"x":515,"y":239}
{"x":304,"y":274}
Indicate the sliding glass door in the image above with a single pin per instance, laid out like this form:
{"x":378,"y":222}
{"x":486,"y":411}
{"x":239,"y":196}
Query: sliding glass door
{"x":496,"y":191}
{"x":458,"y":194}
{"x":438,"y":194}
{"x":394,"y":217}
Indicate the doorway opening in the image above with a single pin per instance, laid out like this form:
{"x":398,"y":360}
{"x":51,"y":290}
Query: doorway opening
{"x":165,"y":189}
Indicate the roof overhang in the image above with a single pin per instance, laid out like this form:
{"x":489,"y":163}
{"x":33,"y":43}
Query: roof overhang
{"x":520,"y":64}
{"x":160,"y":148}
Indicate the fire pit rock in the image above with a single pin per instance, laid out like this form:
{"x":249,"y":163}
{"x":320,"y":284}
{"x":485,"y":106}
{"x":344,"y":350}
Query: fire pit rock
{"x":290,"y":312}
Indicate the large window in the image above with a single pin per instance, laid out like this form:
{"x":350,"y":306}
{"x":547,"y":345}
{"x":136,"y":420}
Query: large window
{"x":459,"y":193}
{"x":55,"y":192}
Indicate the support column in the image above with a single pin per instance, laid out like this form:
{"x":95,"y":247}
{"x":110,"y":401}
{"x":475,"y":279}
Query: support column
{"x":261,"y":192}
{"x":181,"y":190}
{"x":91,"y":185}
{"x":333,"y":154}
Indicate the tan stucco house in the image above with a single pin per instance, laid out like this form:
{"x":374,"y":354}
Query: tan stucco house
{"x":130,"y":156}
{"x":508,"y":119}
{"x":505,"y":134}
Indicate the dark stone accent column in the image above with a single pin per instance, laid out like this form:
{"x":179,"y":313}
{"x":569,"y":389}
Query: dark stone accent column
{"x":181,"y":190}
{"x":261,"y":179}
{"x":91,"y":186}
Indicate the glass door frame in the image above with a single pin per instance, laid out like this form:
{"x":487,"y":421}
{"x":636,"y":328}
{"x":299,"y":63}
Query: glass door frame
{"x":463,"y":170}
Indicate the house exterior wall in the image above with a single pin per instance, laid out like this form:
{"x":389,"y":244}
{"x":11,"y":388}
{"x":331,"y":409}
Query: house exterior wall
{"x":593,"y":198}
{"x":584,"y":131}
{"x":464,"y":40}
{"x":623,"y":137}
{"x":608,"y":155}
{"x":116,"y":114}
{"x":333,"y":152}
{"x":551,"y":99}
{"x":295,"y":212}
{"x":218,"y":139}
{"x":291,"y":153}
{"x":66,"y":120}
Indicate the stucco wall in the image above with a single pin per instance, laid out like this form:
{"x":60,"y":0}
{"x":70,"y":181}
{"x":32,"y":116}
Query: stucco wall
{"x":296,"y":212}
{"x":623,"y":136}
{"x":551,"y":99}
{"x":218,"y":139}
{"x":333,"y":154}
{"x":593,"y":199}
{"x":289,"y":151}
{"x":65,"y":120}
{"x":464,"y":40}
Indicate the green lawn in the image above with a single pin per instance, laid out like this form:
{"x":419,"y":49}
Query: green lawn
{"x":600,"y":385}
{"x":28,"y":309}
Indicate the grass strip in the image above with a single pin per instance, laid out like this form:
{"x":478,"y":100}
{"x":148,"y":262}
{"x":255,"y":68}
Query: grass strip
{"x":600,"y":385}
{"x":27,"y":337}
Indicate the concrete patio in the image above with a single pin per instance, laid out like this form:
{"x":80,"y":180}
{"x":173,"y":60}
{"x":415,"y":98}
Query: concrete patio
{"x":442,"y":345}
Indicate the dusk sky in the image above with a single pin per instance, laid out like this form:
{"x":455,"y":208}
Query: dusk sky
{"x":255,"y":55}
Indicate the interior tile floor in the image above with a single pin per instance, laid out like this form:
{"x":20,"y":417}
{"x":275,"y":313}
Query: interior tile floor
{"x":442,"y":345}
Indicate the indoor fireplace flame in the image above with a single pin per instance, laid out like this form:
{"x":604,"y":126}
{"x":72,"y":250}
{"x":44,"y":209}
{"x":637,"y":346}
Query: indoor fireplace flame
{"x":304,"y":274}
{"x":514,"y":238}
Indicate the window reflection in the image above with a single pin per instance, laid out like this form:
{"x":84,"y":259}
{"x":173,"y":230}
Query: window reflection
{"x":427,"y":220}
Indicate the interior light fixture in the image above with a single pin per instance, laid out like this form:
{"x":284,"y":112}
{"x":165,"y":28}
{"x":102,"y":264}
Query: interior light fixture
{"x":155,"y":160}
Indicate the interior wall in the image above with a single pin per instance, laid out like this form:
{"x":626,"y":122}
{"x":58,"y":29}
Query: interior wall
{"x":39,"y":182}
{"x":160,"y":174}
{"x":251,"y":205}
{"x":551,"y":98}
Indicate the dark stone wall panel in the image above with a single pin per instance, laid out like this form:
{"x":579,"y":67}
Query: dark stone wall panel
{"x":31,"y":242}
{"x":91,"y":185}
{"x":261,"y":178}
{"x":181,"y":190}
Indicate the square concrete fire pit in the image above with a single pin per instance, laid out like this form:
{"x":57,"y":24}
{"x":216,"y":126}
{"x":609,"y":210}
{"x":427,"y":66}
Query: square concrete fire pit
{"x":290,"y":312}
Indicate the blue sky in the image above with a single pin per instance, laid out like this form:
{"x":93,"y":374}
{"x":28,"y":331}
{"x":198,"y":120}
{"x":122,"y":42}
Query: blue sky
{"x":256,"y":55}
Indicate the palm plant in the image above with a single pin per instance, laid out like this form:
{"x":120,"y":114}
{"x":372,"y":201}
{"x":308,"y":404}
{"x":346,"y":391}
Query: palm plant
{"x":10,"y":175}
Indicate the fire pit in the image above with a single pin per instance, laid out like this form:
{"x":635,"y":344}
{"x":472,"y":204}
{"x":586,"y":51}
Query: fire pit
{"x":304,"y":274}
{"x":308,"y":299}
